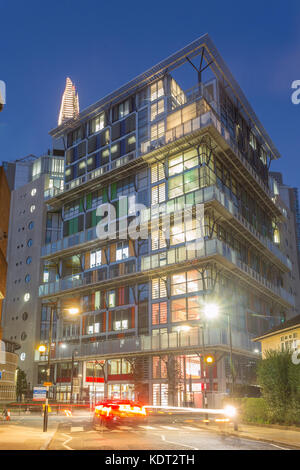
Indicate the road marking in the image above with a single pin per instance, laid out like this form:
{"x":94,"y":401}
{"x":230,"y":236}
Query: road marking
{"x":76,"y":428}
{"x":66,"y":441}
{"x":178,"y":443}
{"x":170,"y":428}
{"x":147,"y":427}
{"x":126,"y":428}
{"x":116,"y":430}
{"x":278,"y":447}
{"x":190,"y":428}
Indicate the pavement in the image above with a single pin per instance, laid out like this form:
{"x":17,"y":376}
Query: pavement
{"x":164,"y":432}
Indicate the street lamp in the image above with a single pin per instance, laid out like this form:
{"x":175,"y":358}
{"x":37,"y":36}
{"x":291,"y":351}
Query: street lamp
{"x":211,"y":311}
{"x":42,"y":349}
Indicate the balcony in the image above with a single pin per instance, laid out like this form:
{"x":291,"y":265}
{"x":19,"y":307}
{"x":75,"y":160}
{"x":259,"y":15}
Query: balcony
{"x":182,"y":256}
{"x":93,"y":175}
{"x":179,"y":341}
{"x":231,"y":212}
{"x":204,"y":195}
{"x":217,"y":249}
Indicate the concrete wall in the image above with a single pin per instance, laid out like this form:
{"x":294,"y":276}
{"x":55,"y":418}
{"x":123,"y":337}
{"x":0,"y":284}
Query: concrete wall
{"x":21,"y":317}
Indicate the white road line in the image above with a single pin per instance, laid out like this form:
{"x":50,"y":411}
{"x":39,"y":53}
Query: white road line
{"x":147,"y":427}
{"x":126,"y":428}
{"x":170,"y":428}
{"x":178,"y":443}
{"x":116,"y":430}
{"x":190,"y":428}
{"x":66,"y":441}
{"x":76,"y":428}
{"x":278,"y":447}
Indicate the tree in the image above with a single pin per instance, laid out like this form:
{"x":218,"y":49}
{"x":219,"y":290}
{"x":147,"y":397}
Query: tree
{"x":279,"y":379}
{"x":21,"y":384}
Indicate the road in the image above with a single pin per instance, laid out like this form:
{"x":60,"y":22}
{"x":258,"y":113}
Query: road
{"x":159,"y":433}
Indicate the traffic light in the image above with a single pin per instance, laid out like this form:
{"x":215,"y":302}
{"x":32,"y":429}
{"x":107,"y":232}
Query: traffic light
{"x":209,"y":359}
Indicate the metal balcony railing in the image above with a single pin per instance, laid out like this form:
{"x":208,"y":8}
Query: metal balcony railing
{"x":168,"y":342}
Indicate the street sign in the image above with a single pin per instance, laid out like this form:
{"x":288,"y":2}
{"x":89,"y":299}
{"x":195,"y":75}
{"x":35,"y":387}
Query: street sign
{"x":48,"y":384}
{"x":39,"y":393}
{"x":0,"y":374}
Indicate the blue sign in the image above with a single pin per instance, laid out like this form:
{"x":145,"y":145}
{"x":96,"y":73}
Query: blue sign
{"x":0,"y":374}
{"x":39,"y":393}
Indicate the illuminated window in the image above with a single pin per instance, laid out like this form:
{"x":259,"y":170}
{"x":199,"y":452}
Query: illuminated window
{"x":159,"y":288}
{"x":157,"y":172}
{"x":159,"y":313}
{"x":112,"y":299}
{"x":123,"y":109}
{"x":97,"y":123}
{"x":158,"y":240}
{"x":157,"y":130}
{"x":157,"y":109}
{"x":97,"y":305}
{"x":122,"y":251}
{"x":156,"y":90}
{"x":32,"y":208}
{"x":33,"y":192}
{"x":121,"y":325}
{"x":158,"y":194}
{"x":26,"y":297}
{"x":95,"y":258}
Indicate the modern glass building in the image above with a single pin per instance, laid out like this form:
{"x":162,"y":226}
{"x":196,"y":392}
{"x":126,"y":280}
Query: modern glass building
{"x":144,"y":327}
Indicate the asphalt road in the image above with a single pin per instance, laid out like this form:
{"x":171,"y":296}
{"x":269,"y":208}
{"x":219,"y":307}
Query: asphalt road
{"x":159,"y":433}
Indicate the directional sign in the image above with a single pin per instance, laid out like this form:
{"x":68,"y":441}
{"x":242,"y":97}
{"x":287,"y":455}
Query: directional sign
{"x":39,"y":393}
{"x":0,"y":374}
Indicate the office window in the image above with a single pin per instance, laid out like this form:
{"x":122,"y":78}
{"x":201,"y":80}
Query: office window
{"x":156,"y":90}
{"x":157,"y":172}
{"x":159,"y":313}
{"x":97,"y":123}
{"x":121,"y":325}
{"x":122,"y":251}
{"x":158,"y":194}
{"x":157,"y":109}
{"x":179,"y":310}
{"x":95,"y":258}
{"x":157,"y":130}
{"x":97,"y":305}
{"x":159,"y":288}
{"x":158,"y":240}
{"x":111,"y":299}
{"x":183,"y":162}
{"x":124,"y":109}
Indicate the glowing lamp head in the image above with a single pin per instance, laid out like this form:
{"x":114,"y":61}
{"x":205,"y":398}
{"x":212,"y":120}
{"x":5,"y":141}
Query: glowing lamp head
{"x":209,"y":359}
{"x":211,"y":311}
{"x":230,"y":411}
{"x":42,"y":348}
{"x":73,"y":311}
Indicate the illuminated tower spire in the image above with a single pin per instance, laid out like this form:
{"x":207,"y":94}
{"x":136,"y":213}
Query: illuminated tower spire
{"x":69,"y":107}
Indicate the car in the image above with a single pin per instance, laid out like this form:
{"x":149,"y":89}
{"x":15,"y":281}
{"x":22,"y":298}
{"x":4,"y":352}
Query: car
{"x":110,"y":413}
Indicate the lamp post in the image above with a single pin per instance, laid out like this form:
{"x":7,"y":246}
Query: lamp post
{"x":72,"y":373}
{"x":42,"y":348}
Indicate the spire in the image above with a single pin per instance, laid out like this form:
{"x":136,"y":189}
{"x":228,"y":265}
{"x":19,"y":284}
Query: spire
{"x":69,"y":107}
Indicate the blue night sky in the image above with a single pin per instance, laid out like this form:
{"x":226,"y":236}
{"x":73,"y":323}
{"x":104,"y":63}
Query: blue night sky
{"x":102,"y":45}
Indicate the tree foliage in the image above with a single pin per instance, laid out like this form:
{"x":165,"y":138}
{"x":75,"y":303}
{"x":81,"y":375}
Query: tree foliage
{"x":279,"y":379}
{"x":21,"y":384}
